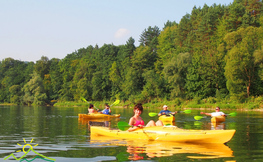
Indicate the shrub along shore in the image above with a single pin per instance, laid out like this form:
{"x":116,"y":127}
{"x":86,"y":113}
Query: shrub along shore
{"x":210,"y":103}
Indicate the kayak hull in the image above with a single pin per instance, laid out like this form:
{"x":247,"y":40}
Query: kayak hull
{"x":167,"y":118}
{"x":98,"y":116}
{"x":218,"y":119}
{"x":167,"y":133}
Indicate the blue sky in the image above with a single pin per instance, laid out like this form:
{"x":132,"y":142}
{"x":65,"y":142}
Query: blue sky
{"x":54,"y":28}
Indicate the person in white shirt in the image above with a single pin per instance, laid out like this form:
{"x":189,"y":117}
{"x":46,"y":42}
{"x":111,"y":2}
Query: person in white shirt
{"x":217,"y":113}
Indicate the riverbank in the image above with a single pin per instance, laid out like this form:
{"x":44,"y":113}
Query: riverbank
{"x":252,"y":104}
{"x":210,"y":103}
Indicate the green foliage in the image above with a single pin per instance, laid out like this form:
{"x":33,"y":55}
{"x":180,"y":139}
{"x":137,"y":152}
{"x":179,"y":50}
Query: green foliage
{"x":153,"y":87}
{"x":241,"y":70}
{"x":175,"y":73}
{"x":34,"y":91}
{"x":214,"y":53}
{"x":177,"y":101}
{"x":210,"y":100}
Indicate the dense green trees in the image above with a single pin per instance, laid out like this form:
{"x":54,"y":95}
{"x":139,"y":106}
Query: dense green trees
{"x":216,"y":51}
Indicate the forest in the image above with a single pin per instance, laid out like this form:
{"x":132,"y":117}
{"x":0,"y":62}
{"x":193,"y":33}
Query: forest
{"x":215,"y":53}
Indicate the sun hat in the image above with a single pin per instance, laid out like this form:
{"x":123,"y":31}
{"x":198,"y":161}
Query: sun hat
{"x":165,"y":106}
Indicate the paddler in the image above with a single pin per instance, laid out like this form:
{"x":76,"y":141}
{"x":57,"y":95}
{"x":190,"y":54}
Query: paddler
{"x":217,"y":113}
{"x":165,"y":111}
{"x":136,"y":121}
{"x":91,"y":109}
{"x":107,"y":110}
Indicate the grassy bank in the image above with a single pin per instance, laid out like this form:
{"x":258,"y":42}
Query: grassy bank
{"x":250,"y":104}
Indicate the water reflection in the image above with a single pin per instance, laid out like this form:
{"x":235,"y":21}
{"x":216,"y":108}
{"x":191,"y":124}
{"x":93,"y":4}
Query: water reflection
{"x":218,"y":126}
{"x":210,"y":125}
{"x":62,"y":136}
{"x":137,"y":150}
{"x":83,"y":122}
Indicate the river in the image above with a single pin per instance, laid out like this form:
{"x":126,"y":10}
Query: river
{"x":57,"y":134}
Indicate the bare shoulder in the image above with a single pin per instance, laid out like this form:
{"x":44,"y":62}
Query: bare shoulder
{"x":131,"y":121}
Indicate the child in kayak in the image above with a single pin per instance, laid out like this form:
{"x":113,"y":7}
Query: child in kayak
{"x":217,"y":113}
{"x":136,"y":121}
{"x":107,"y":110}
{"x":165,"y":111}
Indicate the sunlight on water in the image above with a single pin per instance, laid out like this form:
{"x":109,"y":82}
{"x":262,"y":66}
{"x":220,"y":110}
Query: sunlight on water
{"x":61,"y":135}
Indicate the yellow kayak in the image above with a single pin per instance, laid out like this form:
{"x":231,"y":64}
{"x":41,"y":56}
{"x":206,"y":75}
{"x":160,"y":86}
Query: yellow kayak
{"x":167,"y":133}
{"x":98,"y":116}
{"x":167,"y":118}
{"x":218,"y":119}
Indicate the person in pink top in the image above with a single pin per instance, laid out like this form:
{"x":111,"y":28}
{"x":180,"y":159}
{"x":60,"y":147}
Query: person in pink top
{"x":91,"y":109}
{"x":137,"y":122}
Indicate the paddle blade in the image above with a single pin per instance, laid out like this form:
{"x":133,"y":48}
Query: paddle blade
{"x":83,"y":99}
{"x":123,"y":126}
{"x":152,"y":114}
{"x":233,"y":114}
{"x":115,"y":103}
{"x":198,"y":117}
{"x":187,"y":111}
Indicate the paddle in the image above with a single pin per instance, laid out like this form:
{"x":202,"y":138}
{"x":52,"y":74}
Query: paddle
{"x":152,"y":114}
{"x":185,"y":111}
{"x":83,"y":99}
{"x":200,"y":117}
{"x":232,"y":114}
{"x":115,"y":103}
{"x":123,"y":126}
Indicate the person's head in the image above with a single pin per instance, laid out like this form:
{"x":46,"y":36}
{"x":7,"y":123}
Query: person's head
{"x":217,"y":108}
{"x":165,"y":107}
{"x":138,"y":107}
{"x":107,"y":106}
{"x":91,"y":106}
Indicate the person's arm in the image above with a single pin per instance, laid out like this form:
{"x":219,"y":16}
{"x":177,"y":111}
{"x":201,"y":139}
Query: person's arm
{"x":174,"y":113}
{"x":109,"y":110}
{"x":133,"y":128}
{"x":162,"y":113}
{"x":223,"y":114}
{"x":208,"y":114}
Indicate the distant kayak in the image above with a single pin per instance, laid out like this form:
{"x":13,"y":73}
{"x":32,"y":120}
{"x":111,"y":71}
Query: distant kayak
{"x":167,"y":133}
{"x":167,"y":118}
{"x":98,"y":116}
{"x":218,"y":119}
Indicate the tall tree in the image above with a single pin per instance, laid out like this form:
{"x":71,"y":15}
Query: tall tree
{"x":166,"y":48}
{"x":42,"y":66}
{"x":34,"y":91}
{"x":241,"y":69}
{"x":55,"y":79}
{"x":175,"y":72}
{"x":154,"y":85}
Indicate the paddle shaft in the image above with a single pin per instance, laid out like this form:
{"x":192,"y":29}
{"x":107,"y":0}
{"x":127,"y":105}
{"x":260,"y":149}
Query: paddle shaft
{"x":88,"y":102}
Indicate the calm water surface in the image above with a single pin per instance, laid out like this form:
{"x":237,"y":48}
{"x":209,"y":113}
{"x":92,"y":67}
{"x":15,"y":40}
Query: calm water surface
{"x":57,"y":133}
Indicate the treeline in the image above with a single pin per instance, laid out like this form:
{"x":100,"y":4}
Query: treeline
{"x":214,"y":52}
